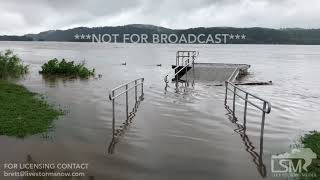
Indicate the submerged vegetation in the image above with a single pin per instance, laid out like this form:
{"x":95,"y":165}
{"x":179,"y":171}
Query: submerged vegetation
{"x":65,"y":68}
{"x":22,"y":113}
{"x":312,"y":141}
{"x":11,"y":65}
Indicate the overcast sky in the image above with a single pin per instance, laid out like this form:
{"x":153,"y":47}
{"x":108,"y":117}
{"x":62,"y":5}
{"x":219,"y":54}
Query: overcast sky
{"x":33,"y":16}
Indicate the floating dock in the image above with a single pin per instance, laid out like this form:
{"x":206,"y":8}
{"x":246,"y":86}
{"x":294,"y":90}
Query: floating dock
{"x":218,"y":72}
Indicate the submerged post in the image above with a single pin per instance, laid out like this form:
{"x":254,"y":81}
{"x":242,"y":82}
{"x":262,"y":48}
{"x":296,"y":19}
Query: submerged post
{"x":113,"y":116}
{"x":142,"y":93}
{"x":187,"y":73}
{"x":135,"y":90}
{"x":262,"y":127}
{"x":127,"y":104}
{"x":245,"y":108}
{"x":176,"y":80}
{"x":135,"y":95}
{"x":193,"y":58}
{"x":234,"y":102}
{"x":226,"y":95}
{"x":177,"y":58}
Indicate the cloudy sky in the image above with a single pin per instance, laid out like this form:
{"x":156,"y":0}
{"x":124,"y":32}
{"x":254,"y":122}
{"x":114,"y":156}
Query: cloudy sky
{"x":33,"y":16}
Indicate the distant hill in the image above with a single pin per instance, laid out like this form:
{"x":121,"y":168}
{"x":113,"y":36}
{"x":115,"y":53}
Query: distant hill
{"x":255,"y":35}
{"x":15,"y":38}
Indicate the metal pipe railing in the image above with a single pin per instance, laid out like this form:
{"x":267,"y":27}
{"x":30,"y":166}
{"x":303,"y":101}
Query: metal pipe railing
{"x":266,"y":107}
{"x":180,"y":55}
{"x":113,"y":96}
{"x":166,"y":77}
{"x":186,"y":73}
{"x":234,"y":75}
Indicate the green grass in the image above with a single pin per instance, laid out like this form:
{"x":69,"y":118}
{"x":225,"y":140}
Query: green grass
{"x":66,"y":68}
{"x":312,"y":141}
{"x":22,"y":113}
{"x":11,"y":65}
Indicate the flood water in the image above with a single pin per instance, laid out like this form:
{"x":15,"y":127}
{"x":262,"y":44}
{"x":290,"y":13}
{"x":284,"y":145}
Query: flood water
{"x":186,"y":135}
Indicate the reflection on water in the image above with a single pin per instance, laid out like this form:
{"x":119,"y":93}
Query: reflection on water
{"x":182,"y":87}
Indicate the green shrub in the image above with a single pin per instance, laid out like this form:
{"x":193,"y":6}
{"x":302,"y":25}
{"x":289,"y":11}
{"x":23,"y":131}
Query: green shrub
{"x":65,"y":68}
{"x":312,"y":141}
{"x":11,"y":65}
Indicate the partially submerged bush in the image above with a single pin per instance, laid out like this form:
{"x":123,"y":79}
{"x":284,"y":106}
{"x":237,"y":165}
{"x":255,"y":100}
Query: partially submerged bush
{"x":64,"y":68}
{"x":312,"y":141}
{"x":11,"y":65}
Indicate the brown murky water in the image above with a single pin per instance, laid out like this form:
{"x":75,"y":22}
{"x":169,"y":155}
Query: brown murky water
{"x":173,"y":136}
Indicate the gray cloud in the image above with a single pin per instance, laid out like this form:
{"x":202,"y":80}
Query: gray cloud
{"x":20,"y":17}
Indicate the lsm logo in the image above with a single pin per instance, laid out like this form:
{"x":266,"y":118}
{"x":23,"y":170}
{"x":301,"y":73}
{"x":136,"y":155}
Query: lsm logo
{"x":293,"y":164}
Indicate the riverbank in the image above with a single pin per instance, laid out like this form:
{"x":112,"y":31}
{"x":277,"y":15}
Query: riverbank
{"x":312,"y":141}
{"x":22,"y":112}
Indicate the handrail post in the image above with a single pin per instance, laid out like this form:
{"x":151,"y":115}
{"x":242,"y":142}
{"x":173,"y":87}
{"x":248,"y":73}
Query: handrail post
{"x":234,"y":102}
{"x":142,"y":93}
{"x":176,"y":80}
{"x":193,"y":58}
{"x":187,"y":73}
{"x":113,"y":117}
{"x":135,"y":95}
{"x":127,"y":104}
{"x":135,"y":90}
{"x":245,"y":110}
{"x":262,"y":127}
{"x":177,"y":54}
{"x":226,"y":95}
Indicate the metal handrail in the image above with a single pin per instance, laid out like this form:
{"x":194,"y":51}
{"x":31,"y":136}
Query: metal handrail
{"x":186,"y":62}
{"x":266,"y":108}
{"x":113,"y":96}
{"x":187,"y":65}
{"x":166,"y":77}
{"x":194,"y":54}
{"x":234,"y":74}
{"x":266,"y":104}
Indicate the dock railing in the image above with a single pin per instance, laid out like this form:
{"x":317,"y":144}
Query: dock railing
{"x":185,"y":67}
{"x":265,"y":108}
{"x":115,"y":94}
{"x":181,"y":61}
{"x":234,"y":75}
{"x":175,"y":69}
{"x":180,"y":55}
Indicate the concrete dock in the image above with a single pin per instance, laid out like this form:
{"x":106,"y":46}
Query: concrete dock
{"x":218,"y":72}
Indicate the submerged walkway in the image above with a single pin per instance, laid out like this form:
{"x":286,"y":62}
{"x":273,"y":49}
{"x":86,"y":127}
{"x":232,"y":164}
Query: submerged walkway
{"x":185,"y":136}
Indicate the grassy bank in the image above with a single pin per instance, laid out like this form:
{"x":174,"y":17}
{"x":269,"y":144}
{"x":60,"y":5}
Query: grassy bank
{"x":22,"y":113}
{"x":312,"y":141}
{"x":66,"y":68}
